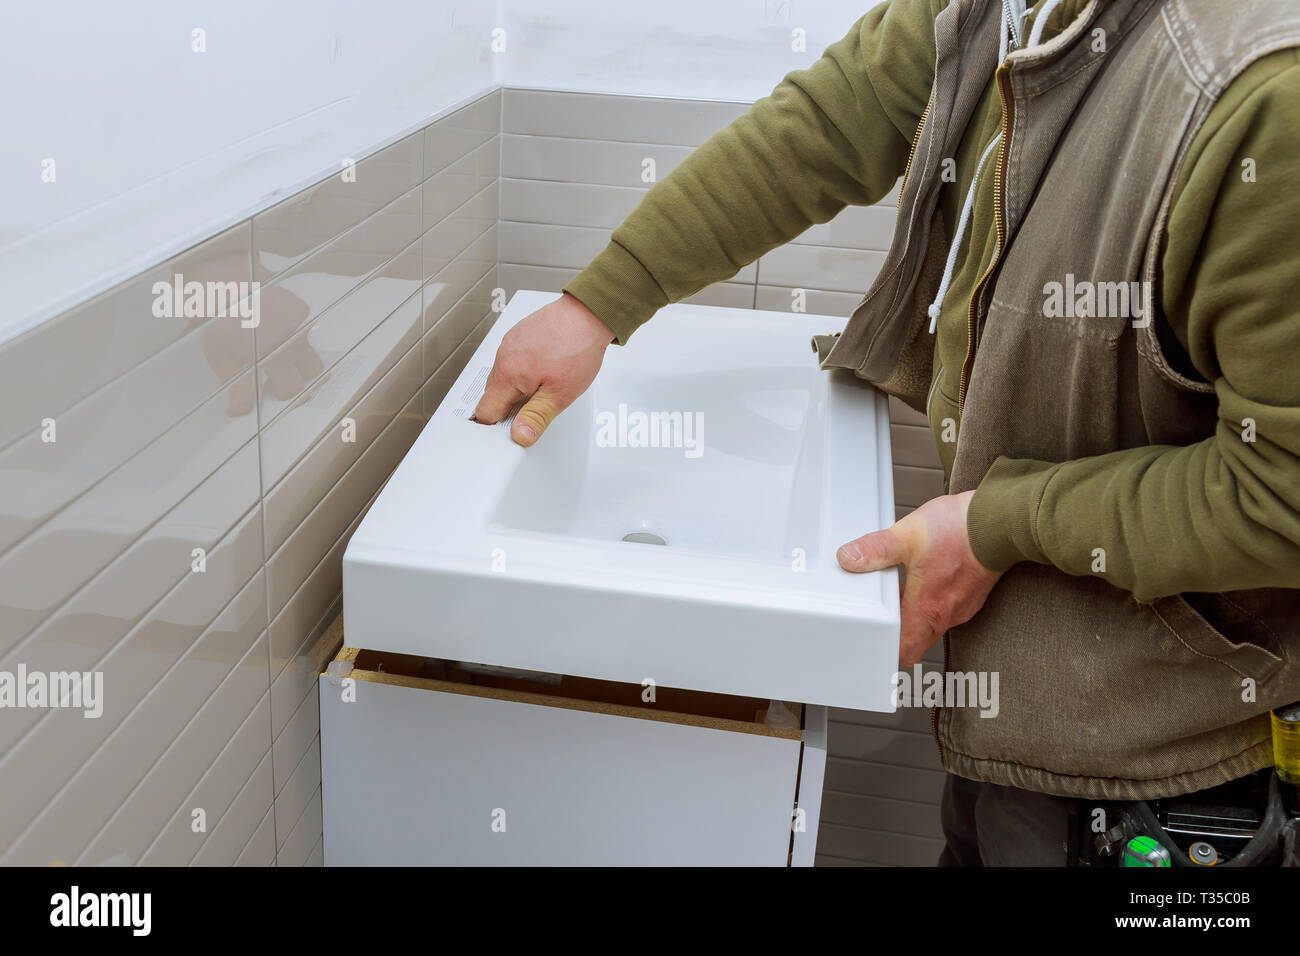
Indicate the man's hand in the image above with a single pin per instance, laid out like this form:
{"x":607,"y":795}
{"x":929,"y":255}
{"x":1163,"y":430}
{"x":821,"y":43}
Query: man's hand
{"x":549,"y":358}
{"x":945,"y":585}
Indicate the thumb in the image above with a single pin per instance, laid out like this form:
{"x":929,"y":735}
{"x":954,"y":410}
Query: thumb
{"x":873,"y":552}
{"x":535,"y":417}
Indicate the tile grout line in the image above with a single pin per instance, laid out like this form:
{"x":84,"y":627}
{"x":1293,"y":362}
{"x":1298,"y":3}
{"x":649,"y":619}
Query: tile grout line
{"x":388,"y":426}
{"x":144,"y":698}
{"x":197,"y":783}
{"x":266,"y":571}
{"x":100,"y":572}
{"x":30,"y":731}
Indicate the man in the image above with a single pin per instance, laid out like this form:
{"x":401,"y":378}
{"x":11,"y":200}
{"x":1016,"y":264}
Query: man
{"x":1090,"y":295}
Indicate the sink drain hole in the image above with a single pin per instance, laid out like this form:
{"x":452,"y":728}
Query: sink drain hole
{"x":643,"y":537}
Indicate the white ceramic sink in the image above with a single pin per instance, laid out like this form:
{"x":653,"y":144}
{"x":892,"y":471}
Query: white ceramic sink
{"x":479,"y":550}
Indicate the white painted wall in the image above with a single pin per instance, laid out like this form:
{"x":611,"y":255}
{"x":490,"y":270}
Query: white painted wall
{"x":157,"y":147}
{"x":706,"y":49}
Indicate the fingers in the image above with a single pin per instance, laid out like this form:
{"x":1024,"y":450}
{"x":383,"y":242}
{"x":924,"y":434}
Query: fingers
{"x":874,"y":552}
{"x":498,"y":398}
{"x":922,"y":617}
{"x":921,"y":624}
{"x":535,"y":417}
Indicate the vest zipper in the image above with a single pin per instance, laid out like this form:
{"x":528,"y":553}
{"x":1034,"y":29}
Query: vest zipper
{"x":972,"y":316}
{"x":934,"y":711}
{"x":915,"y":139}
{"x":999,"y":219}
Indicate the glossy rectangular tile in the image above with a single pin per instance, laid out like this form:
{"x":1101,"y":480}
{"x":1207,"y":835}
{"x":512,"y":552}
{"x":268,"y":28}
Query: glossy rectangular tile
{"x":448,"y":330}
{"x":624,"y":118}
{"x":294,"y":496}
{"x":914,"y":445}
{"x":921,"y":785}
{"x":302,"y":839}
{"x":879,"y":813}
{"x":514,"y":277}
{"x":449,"y":273}
{"x":60,"y":362}
{"x":815,"y":301}
{"x":441,"y":380}
{"x":902,"y":414}
{"x":116,"y":599}
{"x":50,"y":565}
{"x":880,"y":847}
{"x":230,"y":776}
{"x":204,"y":768}
{"x":241,"y":821}
{"x":302,"y":728}
{"x":145,"y":653}
{"x":318,"y":410}
{"x":299,"y":296}
{"x":306,"y":360}
{"x":317,"y":855}
{"x":856,"y":227}
{"x":306,"y":221}
{"x":588,"y":161}
{"x":75,"y":815}
{"x":260,"y":849}
{"x":732,"y":295}
{"x":303,"y":782}
{"x":303,"y":668}
{"x":452,"y":187}
{"x":569,"y":247}
{"x":289,"y":567}
{"x":448,"y":139}
{"x":568,"y":204}
{"x":42,"y":472}
{"x":821,"y":267}
{"x":59,"y":747}
{"x":916,"y":486}
{"x":463,"y":246}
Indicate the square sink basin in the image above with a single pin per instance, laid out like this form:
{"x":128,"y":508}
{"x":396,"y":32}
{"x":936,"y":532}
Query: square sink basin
{"x":677,"y":524}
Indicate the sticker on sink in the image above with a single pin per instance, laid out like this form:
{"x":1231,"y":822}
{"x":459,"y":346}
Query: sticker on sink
{"x":469,"y":399}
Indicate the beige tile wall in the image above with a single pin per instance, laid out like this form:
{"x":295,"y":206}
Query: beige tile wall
{"x":571,"y":170}
{"x":261,"y":447}
{"x":173,"y":434}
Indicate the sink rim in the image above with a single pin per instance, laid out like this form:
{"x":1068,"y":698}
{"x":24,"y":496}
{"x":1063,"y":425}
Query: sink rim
{"x":555,"y":559}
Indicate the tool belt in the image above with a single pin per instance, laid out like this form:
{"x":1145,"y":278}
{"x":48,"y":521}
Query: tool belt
{"x":1251,"y":822}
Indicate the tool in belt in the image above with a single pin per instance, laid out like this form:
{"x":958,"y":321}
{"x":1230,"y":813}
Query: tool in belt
{"x":1254,"y":821}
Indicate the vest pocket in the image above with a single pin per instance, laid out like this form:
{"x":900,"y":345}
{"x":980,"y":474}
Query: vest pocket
{"x":1199,"y":622}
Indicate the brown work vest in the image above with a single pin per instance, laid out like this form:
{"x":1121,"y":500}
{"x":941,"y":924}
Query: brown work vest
{"x":1101,"y":695}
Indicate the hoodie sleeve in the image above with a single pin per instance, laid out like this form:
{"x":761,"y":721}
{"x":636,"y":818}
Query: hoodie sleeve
{"x":1222,"y":514}
{"x":833,"y":135}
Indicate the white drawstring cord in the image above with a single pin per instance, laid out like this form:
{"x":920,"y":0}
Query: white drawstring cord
{"x":962,"y":222}
{"x":1040,"y":21}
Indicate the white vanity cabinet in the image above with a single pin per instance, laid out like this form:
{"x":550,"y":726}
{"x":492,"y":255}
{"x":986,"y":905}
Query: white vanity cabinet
{"x":424,"y":763}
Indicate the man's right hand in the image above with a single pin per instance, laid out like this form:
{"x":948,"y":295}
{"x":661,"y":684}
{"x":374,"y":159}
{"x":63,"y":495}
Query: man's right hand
{"x":546,"y":361}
